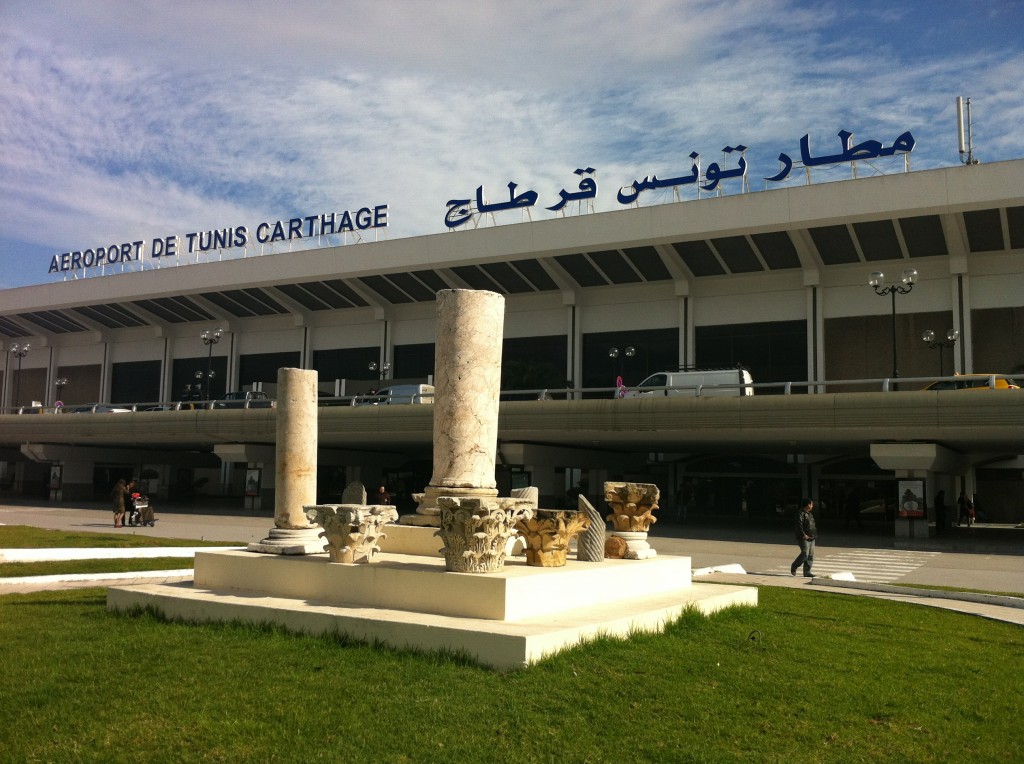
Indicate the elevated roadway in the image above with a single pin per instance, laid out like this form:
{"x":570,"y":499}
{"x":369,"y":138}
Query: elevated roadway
{"x":977,"y":422}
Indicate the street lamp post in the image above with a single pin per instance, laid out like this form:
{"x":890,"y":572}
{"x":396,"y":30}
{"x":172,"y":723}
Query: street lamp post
{"x":60,"y":383}
{"x":904,"y":286}
{"x":936,"y":344}
{"x":19,"y":352}
{"x":614,"y":353}
{"x":208,"y":376}
{"x":209,"y":338}
{"x":384,"y":369}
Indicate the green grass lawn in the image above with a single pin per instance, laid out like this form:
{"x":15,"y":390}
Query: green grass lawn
{"x":806,"y":676}
{"x":28,"y":537}
{"x":18,"y":569}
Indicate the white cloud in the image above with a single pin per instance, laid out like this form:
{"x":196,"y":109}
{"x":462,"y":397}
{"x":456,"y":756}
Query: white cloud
{"x":126,"y":120}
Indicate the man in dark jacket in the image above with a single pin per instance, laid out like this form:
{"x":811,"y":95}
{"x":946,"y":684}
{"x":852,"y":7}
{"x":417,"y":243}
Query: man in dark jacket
{"x":806,"y":533}
{"x":940,"y":513}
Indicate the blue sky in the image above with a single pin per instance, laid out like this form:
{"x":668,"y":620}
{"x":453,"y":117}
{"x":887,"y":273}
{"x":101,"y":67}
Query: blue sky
{"x":122,"y":121}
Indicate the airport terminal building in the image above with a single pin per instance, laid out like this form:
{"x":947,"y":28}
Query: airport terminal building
{"x":776,"y":281}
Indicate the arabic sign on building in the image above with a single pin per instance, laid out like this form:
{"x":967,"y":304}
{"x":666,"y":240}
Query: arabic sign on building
{"x":461,"y":211}
{"x":311,"y":226}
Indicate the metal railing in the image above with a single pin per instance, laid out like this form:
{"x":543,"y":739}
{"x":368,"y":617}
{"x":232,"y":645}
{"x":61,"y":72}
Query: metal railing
{"x":882,"y":385}
{"x":133,"y":408}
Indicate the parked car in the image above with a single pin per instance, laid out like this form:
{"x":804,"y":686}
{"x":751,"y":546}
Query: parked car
{"x":97,"y":408}
{"x":688,"y":381}
{"x":169,"y":407}
{"x":396,"y":394}
{"x":975,"y":382}
{"x":244,"y":399}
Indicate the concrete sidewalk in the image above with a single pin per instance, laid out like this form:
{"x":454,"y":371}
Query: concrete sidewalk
{"x":994,"y":607}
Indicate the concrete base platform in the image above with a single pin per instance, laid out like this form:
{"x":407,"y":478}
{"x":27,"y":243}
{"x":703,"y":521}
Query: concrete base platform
{"x":422,"y":585}
{"x":505,"y":620}
{"x":411,"y":539}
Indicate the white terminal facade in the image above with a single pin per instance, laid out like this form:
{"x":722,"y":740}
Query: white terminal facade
{"x":776,"y":281}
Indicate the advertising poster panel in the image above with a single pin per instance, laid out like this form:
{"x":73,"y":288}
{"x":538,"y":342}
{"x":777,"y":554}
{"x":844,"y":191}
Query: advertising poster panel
{"x":911,"y":498}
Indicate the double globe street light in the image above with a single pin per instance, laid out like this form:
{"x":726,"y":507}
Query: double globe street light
{"x":60,"y":383}
{"x":209,"y":338}
{"x":936,"y":344}
{"x":628,"y":352}
{"x":903,"y":286}
{"x":19,"y":352}
{"x":200,"y":376}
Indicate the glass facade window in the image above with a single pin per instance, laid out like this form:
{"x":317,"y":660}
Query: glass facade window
{"x":135,"y":382}
{"x":773,"y":351}
{"x":653,"y":350}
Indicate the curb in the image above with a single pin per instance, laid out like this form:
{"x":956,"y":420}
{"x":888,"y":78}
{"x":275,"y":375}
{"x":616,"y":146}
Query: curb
{"x":840,"y":581}
{"x":982,"y":599}
{"x":142,"y":576}
{"x":55,"y":554}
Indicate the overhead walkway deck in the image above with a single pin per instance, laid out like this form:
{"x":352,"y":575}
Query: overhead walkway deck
{"x":961,"y":421}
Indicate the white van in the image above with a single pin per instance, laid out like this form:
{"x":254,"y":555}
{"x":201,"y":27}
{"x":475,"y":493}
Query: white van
{"x":397,"y":394}
{"x":694,"y":382}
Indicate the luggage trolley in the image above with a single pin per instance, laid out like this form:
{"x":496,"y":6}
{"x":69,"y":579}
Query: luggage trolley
{"x":141,"y":512}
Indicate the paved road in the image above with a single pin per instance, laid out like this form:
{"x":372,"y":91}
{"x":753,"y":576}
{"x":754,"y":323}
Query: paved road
{"x":757,"y":550}
{"x":880,"y":562}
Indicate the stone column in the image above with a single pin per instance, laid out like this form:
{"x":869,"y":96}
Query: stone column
{"x":467,"y":385}
{"x":295,"y":468}
{"x":590,"y":547}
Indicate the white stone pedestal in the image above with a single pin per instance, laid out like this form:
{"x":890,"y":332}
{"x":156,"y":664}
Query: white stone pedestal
{"x":290,"y":541}
{"x":507,"y":619}
{"x":636,"y":542}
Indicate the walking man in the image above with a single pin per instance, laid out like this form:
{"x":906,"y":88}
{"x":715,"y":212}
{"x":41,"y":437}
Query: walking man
{"x":806,"y":533}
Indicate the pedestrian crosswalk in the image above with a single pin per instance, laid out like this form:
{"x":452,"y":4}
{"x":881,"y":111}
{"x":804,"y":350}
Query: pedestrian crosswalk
{"x":872,"y":565}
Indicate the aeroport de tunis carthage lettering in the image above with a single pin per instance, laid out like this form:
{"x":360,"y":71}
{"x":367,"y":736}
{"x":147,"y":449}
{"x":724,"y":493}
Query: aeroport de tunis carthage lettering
{"x":311,"y":226}
{"x":461,"y":211}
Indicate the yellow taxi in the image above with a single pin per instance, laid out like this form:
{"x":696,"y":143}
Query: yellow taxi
{"x":976,"y":382}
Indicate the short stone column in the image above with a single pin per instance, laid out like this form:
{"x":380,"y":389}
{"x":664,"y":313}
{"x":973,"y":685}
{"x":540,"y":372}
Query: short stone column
{"x":467,"y":386}
{"x":632,"y":506}
{"x":295,"y":469}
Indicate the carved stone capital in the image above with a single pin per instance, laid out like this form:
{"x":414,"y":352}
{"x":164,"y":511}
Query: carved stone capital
{"x":548,"y":533}
{"x":632,"y":505}
{"x":475,"y":531}
{"x":351,"y":530}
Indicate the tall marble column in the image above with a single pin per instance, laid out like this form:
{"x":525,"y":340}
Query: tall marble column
{"x":295,"y":466}
{"x":467,"y":385}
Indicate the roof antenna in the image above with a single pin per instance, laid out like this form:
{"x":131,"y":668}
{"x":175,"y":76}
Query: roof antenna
{"x":966,"y":151}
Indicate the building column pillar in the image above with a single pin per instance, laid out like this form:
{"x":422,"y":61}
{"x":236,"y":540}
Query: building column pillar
{"x":295,"y":466}
{"x":467,"y":387}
